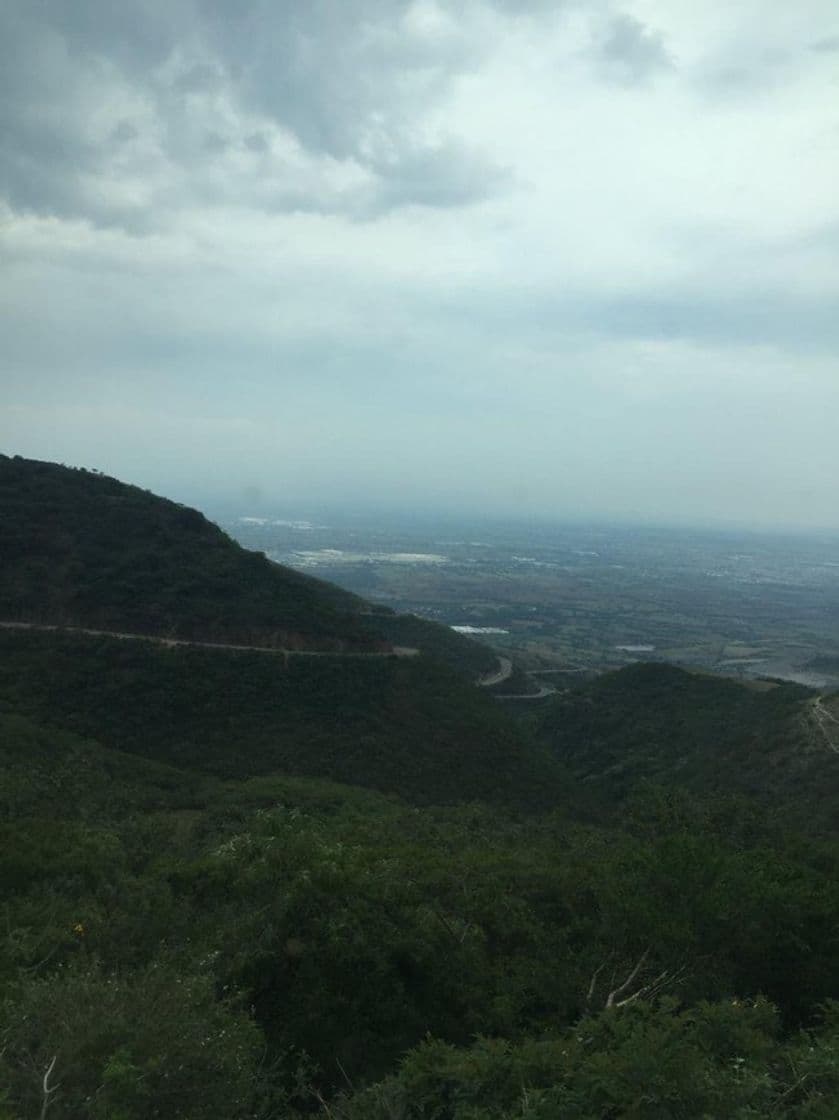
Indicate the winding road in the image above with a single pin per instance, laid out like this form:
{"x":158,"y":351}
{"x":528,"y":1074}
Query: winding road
{"x":487,"y":680}
{"x":544,"y":690}
{"x":501,"y":674}
{"x":395,"y":651}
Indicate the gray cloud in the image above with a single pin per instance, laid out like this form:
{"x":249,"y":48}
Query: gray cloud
{"x":349,"y":82}
{"x":753,"y":74}
{"x":777,"y":321}
{"x":318,"y":299}
{"x":757,"y":65}
{"x":339,"y":76}
{"x":135,"y":36}
{"x":200,"y":78}
{"x":50,"y":153}
{"x":630,"y":52}
{"x":693,"y":314}
{"x":828,"y":45}
{"x":449,"y":175}
{"x":256,"y":142}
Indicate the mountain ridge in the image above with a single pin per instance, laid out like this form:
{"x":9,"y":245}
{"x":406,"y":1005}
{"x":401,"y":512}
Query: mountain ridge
{"x":139,"y":625}
{"x":81,"y":549}
{"x":654,"y":722}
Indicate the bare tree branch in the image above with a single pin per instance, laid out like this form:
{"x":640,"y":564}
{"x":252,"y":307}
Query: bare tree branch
{"x":593,"y":985}
{"x":613,"y":995}
{"x":48,"y":1090}
{"x":633,"y":987}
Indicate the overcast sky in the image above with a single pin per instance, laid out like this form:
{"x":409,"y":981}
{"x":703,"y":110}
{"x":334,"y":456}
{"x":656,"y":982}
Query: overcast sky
{"x":552,"y":258}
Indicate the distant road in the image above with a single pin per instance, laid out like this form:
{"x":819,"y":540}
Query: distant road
{"x":396,"y":651}
{"x":501,"y":674}
{"x":544,"y":690}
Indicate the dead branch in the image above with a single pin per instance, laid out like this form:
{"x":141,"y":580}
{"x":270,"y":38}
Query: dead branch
{"x":593,"y":985}
{"x":48,"y":1091}
{"x":633,"y":987}
{"x":656,"y":985}
{"x":613,"y":995}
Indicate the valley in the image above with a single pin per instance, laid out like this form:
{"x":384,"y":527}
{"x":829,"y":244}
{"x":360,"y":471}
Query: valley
{"x":585,"y":599}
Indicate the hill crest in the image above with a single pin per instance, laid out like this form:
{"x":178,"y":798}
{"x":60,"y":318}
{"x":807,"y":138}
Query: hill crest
{"x":82,"y":549}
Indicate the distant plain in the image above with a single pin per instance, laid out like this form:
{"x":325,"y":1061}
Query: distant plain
{"x":586,"y":598}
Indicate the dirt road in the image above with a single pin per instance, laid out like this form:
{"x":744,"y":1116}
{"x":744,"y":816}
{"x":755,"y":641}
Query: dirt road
{"x":544,"y":690}
{"x":396,"y":651}
{"x":501,"y":674}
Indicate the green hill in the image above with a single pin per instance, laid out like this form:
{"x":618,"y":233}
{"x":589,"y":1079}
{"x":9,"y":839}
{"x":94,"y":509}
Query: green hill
{"x":47,"y":772}
{"x":78,"y":548}
{"x":654,"y":722}
{"x":410,"y":726}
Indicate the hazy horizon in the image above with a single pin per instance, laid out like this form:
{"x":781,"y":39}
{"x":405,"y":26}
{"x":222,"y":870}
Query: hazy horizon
{"x":227,"y":506}
{"x":532,"y":260}
{"x":327,"y":513}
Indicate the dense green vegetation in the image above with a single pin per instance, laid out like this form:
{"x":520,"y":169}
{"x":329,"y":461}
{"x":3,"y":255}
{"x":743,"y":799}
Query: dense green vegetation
{"x":701,"y":732}
{"x":456,"y":650}
{"x":78,"y":548}
{"x":243,"y":885}
{"x":45,"y":772}
{"x":297,"y":937}
{"x":409,"y":726}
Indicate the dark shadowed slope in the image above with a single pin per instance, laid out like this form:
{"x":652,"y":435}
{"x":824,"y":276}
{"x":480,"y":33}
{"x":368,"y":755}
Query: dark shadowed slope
{"x":709,"y":734}
{"x":80,"y":549}
{"x":408,"y":726}
{"x":77,"y":547}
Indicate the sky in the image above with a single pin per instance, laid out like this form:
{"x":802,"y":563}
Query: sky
{"x":553,"y":259}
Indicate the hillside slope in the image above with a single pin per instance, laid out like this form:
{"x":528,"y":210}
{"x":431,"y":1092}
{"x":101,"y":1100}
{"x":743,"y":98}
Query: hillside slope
{"x":78,"y":548}
{"x":654,"y":722}
{"x":85,"y":552}
{"x":408,"y":726}
{"x":51,"y":774}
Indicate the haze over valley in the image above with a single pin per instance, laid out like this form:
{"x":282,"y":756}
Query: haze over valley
{"x":590,"y":597}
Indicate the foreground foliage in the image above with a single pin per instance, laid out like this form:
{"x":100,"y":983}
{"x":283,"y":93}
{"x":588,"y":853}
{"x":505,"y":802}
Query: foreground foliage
{"x":714,"y":1060}
{"x":240,"y":885}
{"x":280,"y":939}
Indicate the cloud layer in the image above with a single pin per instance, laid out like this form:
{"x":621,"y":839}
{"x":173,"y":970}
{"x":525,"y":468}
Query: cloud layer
{"x":561,"y":257}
